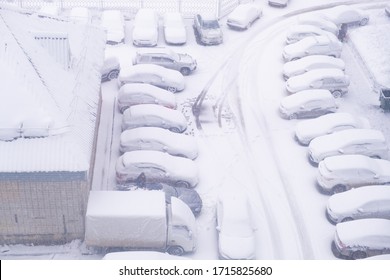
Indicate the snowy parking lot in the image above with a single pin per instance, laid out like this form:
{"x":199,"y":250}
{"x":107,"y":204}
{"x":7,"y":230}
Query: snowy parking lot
{"x":244,"y":144}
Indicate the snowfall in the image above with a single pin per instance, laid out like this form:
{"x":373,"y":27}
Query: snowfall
{"x":244,"y":145}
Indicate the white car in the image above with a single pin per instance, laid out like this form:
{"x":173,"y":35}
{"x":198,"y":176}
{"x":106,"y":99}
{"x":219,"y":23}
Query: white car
{"x":325,"y":45}
{"x":320,"y":22}
{"x":307,"y":130}
{"x":113,"y":22}
{"x":307,"y":104}
{"x":145,"y":30}
{"x":135,"y":94}
{"x":357,"y":141}
{"x":243,"y":16}
{"x":236,"y":239}
{"x":158,"y":139}
{"x":278,"y":3}
{"x":80,"y":15}
{"x":300,"y":31}
{"x":156,"y":75}
{"x":332,"y":79}
{"x":340,"y":173}
{"x":311,"y":62}
{"x":362,"y":238}
{"x":155,"y":116}
{"x":175,"y":32}
{"x":360,"y":203}
{"x":157,"y":167}
{"x":345,"y":14}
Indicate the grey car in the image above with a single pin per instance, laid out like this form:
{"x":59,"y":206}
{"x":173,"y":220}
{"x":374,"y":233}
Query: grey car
{"x":167,"y":58}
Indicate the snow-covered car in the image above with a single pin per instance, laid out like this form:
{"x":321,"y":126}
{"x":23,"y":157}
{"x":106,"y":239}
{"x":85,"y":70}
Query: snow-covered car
{"x":188,"y":196}
{"x":145,"y":30}
{"x":236,"y":239}
{"x":141,"y":255}
{"x":307,"y":104}
{"x":387,"y":10}
{"x":278,"y":3}
{"x":311,"y":62}
{"x":360,"y":203}
{"x":135,"y":94}
{"x":300,"y":31}
{"x":154,"y":116}
{"x":346,"y":14}
{"x":110,"y":69}
{"x":113,"y":22}
{"x":158,"y":139}
{"x":332,"y":79}
{"x":340,"y":173}
{"x":156,"y":75}
{"x":157,"y":167}
{"x":243,"y":16}
{"x":325,"y":45}
{"x":207,"y":30}
{"x":357,"y":141}
{"x":175,"y":32}
{"x":167,"y":58}
{"x":48,"y":10}
{"x":80,"y":15}
{"x":319,"y":22}
{"x":307,"y":130}
{"x":362,"y":238}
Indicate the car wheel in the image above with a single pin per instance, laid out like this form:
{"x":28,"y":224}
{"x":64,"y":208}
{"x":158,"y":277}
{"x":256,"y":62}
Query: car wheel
{"x":124,"y":109}
{"x":175,"y":129}
{"x":338,"y":189}
{"x":359,"y":255}
{"x":346,"y":219}
{"x":172,"y":89}
{"x":113,"y":74}
{"x":185,"y":71}
{"x":175,"y":250}
{"x":363,"y":21}
{"x":182,"y":184}
{"x":293,"y":116}
{"x":336,"y":94}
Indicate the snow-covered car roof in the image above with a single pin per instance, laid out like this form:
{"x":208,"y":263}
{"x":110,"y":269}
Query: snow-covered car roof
{"x":356,"y":162}
{"x":240,"y":13}
{"x":299,"y":98}
{"x":318,"y":21}
{"x":182,"y":143}
{"x":344,"y":14}
{"x":151,"y":90}
{"x":330,"y":142}
{"x":305,"y":28}
{"x":352,"y":199}
{"x":152,"y":69}
{"x":306,"y":61}
{"x":365,"y":232}
{"x":318,"y":74}
{"x":155,"y":110}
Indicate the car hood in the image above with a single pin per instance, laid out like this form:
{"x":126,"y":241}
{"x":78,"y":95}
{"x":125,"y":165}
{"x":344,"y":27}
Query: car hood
{"x":185,"y":58}
{"x":144,"y":33}
{"x":238,"y":248}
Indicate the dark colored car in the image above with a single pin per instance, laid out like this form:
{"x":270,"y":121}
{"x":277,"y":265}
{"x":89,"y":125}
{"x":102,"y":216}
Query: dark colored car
{"x":207,"y":30}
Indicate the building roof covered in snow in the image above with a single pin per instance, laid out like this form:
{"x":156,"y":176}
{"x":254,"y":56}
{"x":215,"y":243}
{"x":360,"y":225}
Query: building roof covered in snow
{"x":48,"y":112}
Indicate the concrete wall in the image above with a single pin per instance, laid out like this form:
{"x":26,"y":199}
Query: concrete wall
{"x":42,"y":212}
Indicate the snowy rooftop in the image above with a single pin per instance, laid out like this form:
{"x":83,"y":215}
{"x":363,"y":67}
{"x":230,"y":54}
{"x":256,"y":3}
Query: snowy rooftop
{"x":42,"y":99}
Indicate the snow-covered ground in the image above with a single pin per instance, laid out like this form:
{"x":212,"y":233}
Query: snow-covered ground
{"x":253,"y":149}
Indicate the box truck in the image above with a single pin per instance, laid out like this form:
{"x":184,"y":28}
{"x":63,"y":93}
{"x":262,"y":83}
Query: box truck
{"x":139,"y":220}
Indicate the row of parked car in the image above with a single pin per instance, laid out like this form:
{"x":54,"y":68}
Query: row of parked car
{"x":156,"y":154}
{"x":351,"y":157}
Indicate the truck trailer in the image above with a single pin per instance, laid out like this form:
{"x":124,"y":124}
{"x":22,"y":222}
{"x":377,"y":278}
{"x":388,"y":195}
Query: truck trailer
{"x":139,"y":219}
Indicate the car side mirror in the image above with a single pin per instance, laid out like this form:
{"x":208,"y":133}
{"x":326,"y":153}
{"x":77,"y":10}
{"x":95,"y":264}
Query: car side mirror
{"x":341,"y":151}
{"x":376,"y":176}
{"x":302,"y":107}
{"x":306,"y":52}
{"x":218,"y":228}
{"x":360,"y":210}
{"x":190,"y":233}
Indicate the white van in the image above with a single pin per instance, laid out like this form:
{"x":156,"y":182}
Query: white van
{"x":134,"y":94}
{"x":307,"y":104}
{"x":368,"y":142}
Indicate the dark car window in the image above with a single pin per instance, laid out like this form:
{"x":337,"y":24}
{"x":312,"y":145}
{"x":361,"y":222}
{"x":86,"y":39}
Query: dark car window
{"x":210,"y":24}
